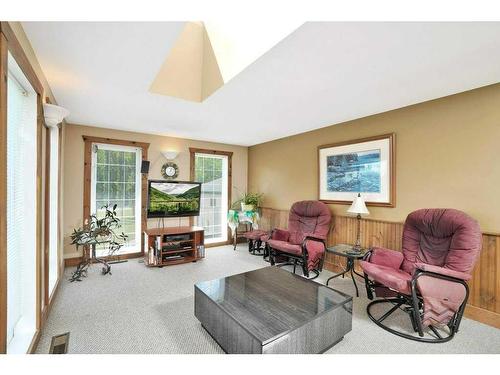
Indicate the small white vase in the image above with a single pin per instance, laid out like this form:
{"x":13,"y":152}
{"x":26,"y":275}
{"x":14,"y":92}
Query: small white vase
{"x":247,"y":207}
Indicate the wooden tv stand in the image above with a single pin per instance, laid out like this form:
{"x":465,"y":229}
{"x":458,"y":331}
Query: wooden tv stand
{"x":173,"y":245}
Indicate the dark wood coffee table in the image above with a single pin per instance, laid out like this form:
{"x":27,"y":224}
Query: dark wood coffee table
{"x":270,"y":310}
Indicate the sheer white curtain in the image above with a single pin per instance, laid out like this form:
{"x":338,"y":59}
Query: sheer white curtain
{"x":21,"y":210}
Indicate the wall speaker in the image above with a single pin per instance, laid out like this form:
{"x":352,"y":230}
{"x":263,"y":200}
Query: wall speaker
{"x":145,"y":166}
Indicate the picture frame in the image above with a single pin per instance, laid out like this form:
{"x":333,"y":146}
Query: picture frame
{"x":365,"y":166}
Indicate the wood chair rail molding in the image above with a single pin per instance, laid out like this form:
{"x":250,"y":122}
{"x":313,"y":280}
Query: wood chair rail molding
{"x":87,"y":177}
{"x":484,"y":298}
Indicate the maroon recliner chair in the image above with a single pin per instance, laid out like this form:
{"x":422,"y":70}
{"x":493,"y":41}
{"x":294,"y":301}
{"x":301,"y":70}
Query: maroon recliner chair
{"x":428,"y":279}
{"x":304,"y":243}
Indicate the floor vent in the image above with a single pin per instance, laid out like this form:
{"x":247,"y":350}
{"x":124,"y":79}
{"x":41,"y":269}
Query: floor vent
{"x":59,"y":344}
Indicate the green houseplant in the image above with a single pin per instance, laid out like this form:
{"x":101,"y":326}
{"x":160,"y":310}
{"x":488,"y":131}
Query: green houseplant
{"x":97,"y":231}
{"x":249,"y":201}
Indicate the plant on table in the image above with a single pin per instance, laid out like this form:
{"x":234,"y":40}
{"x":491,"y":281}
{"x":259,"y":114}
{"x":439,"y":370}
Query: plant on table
{"x":249,"y":201}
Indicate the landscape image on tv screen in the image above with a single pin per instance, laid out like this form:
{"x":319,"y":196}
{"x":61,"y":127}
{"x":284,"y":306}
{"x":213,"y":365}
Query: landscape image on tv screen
{"x":173,"y":199}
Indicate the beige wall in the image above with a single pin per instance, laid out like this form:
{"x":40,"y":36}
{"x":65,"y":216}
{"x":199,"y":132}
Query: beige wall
{"x":73,"y":170}
{"x":447,"y":155}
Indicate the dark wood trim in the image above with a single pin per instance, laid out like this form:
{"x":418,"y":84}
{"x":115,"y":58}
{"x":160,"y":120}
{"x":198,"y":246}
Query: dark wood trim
{"x":22,"y":60}
{"x":34,"y":342}
{"x":192,"y":153}
{"x":488,"y":317}
{"x":208,"y":151}
{"x":392,"y":163}
{"x":45,"y":314}
{"x":3,"y":194}
{"x":120,"y":142}
{"x":87,"y":176}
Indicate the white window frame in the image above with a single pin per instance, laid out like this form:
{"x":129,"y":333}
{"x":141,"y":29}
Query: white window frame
{"x":126,"y":249}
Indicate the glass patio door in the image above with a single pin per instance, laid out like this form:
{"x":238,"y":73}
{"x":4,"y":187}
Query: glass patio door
{"x":116,"y":179}
{"x":212,"y":171}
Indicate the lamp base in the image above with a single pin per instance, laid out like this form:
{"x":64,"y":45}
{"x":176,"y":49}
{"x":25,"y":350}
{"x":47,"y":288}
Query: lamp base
{"x":356,"y":249}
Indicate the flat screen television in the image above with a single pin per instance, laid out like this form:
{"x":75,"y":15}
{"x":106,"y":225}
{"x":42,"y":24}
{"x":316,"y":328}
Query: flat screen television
{"x":173,"y":198}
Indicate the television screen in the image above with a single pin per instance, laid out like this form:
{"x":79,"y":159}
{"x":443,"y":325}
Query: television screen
{"x":173,"y":198}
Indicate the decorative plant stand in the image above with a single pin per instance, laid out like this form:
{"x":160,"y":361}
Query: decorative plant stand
{"x":97,"y":231}
{"x":83,"y":266}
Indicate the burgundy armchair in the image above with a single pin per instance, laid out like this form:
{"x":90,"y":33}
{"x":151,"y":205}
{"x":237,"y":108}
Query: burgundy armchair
{"x":428,"y":279}
{"x":304,"y":242}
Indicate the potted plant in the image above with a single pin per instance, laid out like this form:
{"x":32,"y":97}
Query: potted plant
{"x":97,"y":232}
{"x":250,"y":201}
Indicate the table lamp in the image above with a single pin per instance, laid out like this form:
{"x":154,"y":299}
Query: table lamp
{"x":358,"y":207}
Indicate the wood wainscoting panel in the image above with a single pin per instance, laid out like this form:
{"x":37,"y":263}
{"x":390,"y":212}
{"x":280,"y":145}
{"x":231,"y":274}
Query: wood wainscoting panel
{"x":484,"y":298}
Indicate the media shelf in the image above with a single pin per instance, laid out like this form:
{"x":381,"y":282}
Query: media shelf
{"x":173,"y":245}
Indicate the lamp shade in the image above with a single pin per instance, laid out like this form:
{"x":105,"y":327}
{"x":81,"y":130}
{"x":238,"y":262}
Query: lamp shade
{"x":358,"y":206}
{"x":54,"y":114}
{"x":170,"y":155}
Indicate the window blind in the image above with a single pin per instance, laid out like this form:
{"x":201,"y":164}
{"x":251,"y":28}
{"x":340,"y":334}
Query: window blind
{"x":54,"y":208}
{"x":21,"y":209}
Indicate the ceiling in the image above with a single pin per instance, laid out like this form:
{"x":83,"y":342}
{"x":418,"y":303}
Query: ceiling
{"x":323,"y":73}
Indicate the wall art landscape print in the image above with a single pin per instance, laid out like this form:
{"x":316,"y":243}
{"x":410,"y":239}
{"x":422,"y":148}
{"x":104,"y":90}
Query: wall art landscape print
{"x":354,"y":172}
{"x":361,"y":166}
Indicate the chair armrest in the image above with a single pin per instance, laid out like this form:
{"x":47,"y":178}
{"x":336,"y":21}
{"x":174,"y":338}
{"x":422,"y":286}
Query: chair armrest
{"x":314,"y":236}
{"x":280,"y":234}
{"x":443,"y":271}
{"x":386,"y":257}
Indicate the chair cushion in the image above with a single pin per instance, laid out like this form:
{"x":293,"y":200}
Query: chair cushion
{"x":308,"y":217}
{"x":254,"y":234}
{"x":441,"y":237}
{"x":442,"y":299}
{"x":315,"y":253}
{"x":388,"y":276}
{"x":280,"y":234}
{"x":386,"y":257}
{"x":286,"y":247}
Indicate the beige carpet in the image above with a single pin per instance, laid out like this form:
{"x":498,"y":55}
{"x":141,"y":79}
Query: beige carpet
{"x":150,"y":310}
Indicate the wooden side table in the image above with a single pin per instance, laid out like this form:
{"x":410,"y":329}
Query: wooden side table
{"x":348,"y":252}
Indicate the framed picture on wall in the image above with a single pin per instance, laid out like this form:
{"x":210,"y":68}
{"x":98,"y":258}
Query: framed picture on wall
{"x":365,"y":166}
